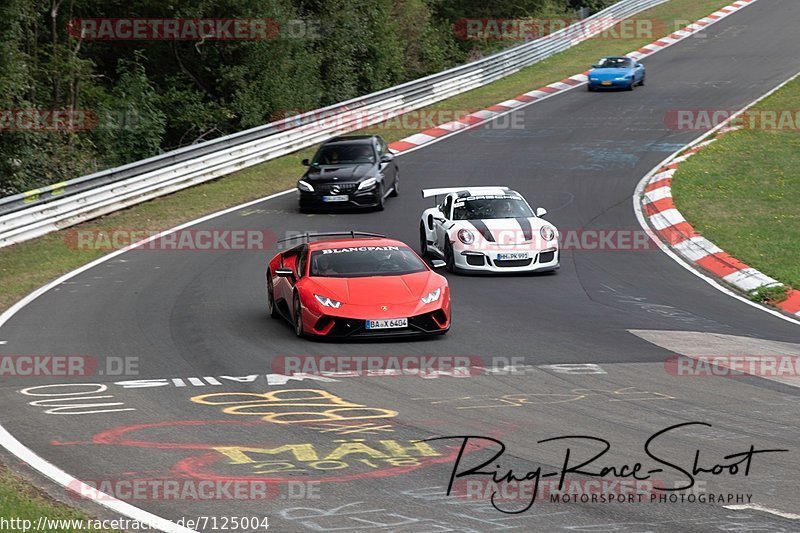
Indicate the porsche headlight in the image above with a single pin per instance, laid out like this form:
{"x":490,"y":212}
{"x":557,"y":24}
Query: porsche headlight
{"x":547,"y":233}
{"x":466,"y":236}
{"x":367,"y":184}
{"x":432,"y":296}
{"x":305,"y":186}
{"x":328,"y":302}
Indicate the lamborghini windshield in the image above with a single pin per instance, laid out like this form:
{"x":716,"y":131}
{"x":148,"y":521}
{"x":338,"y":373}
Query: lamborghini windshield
{"x":360,"y":261}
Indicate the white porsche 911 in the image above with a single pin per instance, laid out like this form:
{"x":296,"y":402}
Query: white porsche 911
{"x":487,"y":229}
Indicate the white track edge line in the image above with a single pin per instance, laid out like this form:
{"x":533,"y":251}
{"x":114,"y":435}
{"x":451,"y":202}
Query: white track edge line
{"x":759,"y":507}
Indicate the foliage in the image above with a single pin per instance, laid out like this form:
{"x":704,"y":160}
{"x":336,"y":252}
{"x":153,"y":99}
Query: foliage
{"x":149,"y":96}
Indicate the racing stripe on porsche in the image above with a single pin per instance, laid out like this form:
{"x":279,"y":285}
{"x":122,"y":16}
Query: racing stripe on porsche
{"x":482,"y":229}
{"x":525,"y":226}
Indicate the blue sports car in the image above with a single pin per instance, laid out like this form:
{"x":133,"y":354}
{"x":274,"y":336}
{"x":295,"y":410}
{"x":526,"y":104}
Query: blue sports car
{"x":616,"y":73}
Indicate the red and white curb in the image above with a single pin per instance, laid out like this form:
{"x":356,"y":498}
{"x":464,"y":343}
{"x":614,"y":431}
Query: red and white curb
{"x":486,"y":115}
{"x":675,"y":231}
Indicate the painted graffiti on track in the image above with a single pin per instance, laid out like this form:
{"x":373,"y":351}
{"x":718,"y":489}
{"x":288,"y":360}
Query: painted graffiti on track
{"x":277,"y":435}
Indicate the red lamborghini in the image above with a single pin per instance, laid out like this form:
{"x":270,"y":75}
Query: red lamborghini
{"x":364,"y":285}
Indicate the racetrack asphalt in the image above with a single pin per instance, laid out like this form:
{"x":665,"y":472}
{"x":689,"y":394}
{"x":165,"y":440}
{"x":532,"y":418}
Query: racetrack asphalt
{"x":580,"y":155}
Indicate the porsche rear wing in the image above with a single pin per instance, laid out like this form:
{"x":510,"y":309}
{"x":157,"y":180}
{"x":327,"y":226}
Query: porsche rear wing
{"x":426,"y":193}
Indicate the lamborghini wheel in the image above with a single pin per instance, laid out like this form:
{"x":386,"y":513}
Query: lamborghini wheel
{"x":297,"y":316}
{"x":271,"y":307}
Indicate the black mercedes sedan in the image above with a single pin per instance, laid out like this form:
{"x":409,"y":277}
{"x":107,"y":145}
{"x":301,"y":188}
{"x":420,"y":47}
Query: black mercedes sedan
{"x":352,"y":171}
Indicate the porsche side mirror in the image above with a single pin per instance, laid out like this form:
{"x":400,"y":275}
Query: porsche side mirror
{"x":284,"y":272}
{"x":306,"y":163}
{"x":387,"y":158}
{"x":438,"y":263}
{"x":540,"y":212}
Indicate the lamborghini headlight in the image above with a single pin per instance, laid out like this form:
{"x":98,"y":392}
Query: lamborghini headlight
{"x":328,"y":302}
{"x":432,"y":296}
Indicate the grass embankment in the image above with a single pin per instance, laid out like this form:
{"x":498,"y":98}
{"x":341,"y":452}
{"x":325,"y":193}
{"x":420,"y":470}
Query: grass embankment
{"x":24,"y":502}
{"x":26,"y":266}
{"x":742,"y":192}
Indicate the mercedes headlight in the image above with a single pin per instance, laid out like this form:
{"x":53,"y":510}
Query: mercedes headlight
{"x":367,"y":184}
{"x":432,"y":296}
{"x":305,"y":186}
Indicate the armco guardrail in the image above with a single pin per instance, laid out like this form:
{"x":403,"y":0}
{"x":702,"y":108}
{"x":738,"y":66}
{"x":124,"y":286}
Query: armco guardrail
{"x":28,"y":215}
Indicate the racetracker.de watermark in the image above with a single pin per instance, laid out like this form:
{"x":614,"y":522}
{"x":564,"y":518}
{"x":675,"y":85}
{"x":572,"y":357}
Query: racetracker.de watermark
{"x":193,"y":490}
{"x":751,"y":119}
{"x":65,"y":120}
{"x":729,"y":366}
{"x":556,"y":491}
{"x":379,"y":365}
{"x":516,"y":494}
{"x":510,"y":235}
{"x":192,"y":29}
{"x":39,"y":365}
{"x":204,"y":240}
{"x":560,"y":28}
{"x":397,"y":119}
{"x":47,"y":120}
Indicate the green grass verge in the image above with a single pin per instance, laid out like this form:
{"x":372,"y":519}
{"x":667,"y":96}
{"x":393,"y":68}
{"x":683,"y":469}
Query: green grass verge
{"x":743,"y":193}
{"x":771,"y":295}
{"x":22,"y":501}
{"x":26,"y":266}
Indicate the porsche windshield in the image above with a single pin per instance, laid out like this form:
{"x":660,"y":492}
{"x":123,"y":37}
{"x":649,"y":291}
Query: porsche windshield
{"x":344,"y":154}
{"x":361,"y":261}
{"x":483,"y":208}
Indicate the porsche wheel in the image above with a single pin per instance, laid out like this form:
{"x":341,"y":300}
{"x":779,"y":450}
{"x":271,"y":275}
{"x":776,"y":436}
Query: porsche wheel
{"x":297,"y":315}
{"x":449,"y":258}
{"x":423,"y":241}
{"x":273,"y":309}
